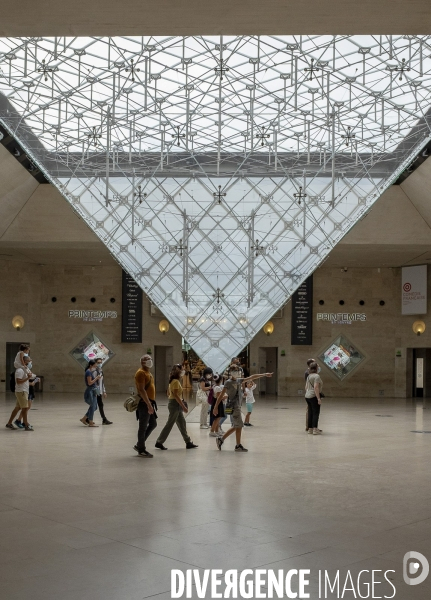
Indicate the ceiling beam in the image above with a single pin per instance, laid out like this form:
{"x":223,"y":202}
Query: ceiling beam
{"x":228,"y":17}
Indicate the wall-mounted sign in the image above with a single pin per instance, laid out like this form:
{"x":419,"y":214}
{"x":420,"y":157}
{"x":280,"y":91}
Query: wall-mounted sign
{"x":131,"y":324}
{"x":420,"y":373}
{"x":414,"y":290}
{"x":341,"y":318}
{"x":91,"y":348}
{"x":302,"y":314}
{"x":92,"y":315}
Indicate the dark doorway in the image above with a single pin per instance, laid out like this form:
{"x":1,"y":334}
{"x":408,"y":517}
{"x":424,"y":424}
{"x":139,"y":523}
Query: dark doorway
{"x":268,"y":363}
{"x":12,"y":349}
{"x":163,"y":361}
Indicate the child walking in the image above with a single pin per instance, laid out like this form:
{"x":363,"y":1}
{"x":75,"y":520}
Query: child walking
{"x":249,"y":388}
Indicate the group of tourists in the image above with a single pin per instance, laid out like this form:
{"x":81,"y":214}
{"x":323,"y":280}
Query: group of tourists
{"x":220,"y":397}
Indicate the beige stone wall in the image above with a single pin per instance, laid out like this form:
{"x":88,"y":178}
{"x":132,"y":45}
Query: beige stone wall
{"x":27,"y":290}
{"x":378,"y":337}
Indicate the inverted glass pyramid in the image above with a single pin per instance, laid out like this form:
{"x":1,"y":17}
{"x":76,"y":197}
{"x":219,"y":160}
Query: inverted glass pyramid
{"x":220,"y":172}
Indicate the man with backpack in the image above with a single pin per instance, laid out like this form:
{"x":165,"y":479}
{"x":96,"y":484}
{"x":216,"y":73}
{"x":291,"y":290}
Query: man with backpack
{"x":22,"y":378}
{"x":146,"y":411}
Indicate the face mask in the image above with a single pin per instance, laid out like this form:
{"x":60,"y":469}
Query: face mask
{"x":182,"y":373}
{"x":99,"y":366}
{"x":234,"y":374}
{"x":148,"y":363}
{"x":29,"y":365}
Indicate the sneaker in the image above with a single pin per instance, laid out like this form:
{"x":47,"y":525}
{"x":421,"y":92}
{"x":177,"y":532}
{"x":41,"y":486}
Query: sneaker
{"x":28,"y":427}
{"x":248,"y":425}
{"x":160,"y":446}
{"x":213,"y":434}
{"x":191,"y":445}
{"x":219,"y":442}
{"x":317,"y":432}
{"x":145,"y":454}
{"x":310,"y":431}
{"x":10,"y":426}
{"x":204,"y":427}
{"x":221,"y":430}
{"x":19,"y":424}
{"x":240,"y":448}
{"x":106,"y":422}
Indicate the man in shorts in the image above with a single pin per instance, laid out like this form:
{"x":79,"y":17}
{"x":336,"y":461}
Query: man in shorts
{"x":22,"y":378}
{"x":233,"y":388}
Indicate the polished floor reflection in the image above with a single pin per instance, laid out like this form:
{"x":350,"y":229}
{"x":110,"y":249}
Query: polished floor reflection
{"x":82,"y":517}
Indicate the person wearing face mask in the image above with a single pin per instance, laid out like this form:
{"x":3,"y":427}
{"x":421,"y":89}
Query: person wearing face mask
{"x":101,"y":392}
{"x":146,"y":412}
{"x":176,"y":407}
{"x":205,"y":385}
{"x":19,"y":422}
{"x":90,"y":394}
{"x":22,"y":376}
{"x":306,"y":374}
{"x":233,"y":388}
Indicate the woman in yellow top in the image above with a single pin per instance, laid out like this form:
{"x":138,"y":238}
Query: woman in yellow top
{"x":176,"y":408}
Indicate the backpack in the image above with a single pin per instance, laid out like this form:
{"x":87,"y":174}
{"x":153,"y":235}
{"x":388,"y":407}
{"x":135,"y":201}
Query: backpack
{"x":12,"y":382}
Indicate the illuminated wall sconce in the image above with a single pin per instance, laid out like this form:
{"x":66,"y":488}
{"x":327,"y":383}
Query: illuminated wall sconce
{"x":268,"y":328}
{"x":164,"y":326}
{"x":418,"y":327}
{"x":18,"y":322}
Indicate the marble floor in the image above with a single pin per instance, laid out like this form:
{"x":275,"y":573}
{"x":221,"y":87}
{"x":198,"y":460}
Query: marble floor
{"x":83,"y":517}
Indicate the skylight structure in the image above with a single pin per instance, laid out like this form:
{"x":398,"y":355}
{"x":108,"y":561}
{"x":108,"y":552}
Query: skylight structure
{"x":219,"y":172}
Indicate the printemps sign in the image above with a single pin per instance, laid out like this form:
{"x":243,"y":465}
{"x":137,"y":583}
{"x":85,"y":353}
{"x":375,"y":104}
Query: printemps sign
{"x":342,"y":318}
{"x":92,"y":315}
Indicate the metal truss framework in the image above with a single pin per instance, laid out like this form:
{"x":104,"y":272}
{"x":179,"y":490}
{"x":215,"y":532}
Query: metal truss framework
{"x":219,"y":172}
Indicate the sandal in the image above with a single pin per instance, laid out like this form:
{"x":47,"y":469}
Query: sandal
{"x":84,"y":421}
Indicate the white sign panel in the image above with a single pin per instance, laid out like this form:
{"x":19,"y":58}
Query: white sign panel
{"x":414,"y":290}
{"x":419,"y":372}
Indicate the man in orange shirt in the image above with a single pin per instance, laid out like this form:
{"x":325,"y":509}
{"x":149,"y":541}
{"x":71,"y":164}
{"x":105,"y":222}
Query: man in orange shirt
{"x":146,"y":412}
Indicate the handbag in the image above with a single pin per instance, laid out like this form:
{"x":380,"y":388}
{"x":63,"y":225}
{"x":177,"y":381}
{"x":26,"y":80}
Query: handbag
{"x":201,"y":396}
{"x":131,"y":403}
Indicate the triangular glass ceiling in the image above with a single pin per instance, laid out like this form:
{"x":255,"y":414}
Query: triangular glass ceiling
{"x":220,"y":172}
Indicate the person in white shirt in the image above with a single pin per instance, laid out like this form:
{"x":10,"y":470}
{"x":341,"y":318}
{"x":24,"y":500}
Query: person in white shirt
{"x":22,"y":377}
{"x":249,"y":388}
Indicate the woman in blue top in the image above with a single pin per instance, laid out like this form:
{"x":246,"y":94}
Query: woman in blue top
{"x":90,"y":394}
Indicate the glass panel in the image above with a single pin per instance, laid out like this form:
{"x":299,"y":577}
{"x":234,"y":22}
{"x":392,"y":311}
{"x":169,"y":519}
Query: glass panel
{"x":219,"y":171}
{"x":91,"y":348}
{"x":342,"y":357}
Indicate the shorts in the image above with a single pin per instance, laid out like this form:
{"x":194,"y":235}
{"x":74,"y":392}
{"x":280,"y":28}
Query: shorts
{"x":249,"y":406}
{"x":236,"y":418}
{"x":21,"y":399}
